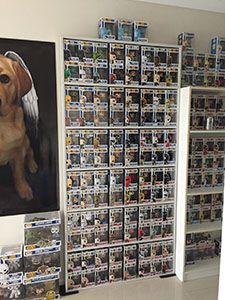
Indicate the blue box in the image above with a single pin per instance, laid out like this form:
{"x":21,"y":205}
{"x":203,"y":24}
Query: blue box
{"x":218,"y":45}
{"x":125,"y":30}
{"x":140,"y":31}
{"x":107,"y":28}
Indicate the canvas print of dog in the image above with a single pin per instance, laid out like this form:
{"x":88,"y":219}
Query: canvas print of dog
{"x":17,"y":98}
{"x":28,"y":127}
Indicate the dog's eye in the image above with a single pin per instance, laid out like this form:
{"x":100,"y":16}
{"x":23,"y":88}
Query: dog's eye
{"x":4,"y":78}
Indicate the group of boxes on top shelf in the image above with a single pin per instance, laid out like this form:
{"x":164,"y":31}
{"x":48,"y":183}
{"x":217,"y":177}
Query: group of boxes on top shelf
{"x":202,"y":69}
{"x":201,"y":246}
{"x":36,"y":275}
{"x":123,"y":30}
{"x":107,"y":265}
{"x":89,"y":148}
{"x":118,"y":106}
{"x":119,"y":63}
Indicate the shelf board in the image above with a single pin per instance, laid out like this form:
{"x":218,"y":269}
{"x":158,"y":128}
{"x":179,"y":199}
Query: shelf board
{"x":119,"y":127}
{"x":205,"y":191}
{"x":120,"y":206}
{"x":122,"y":244}
{"x":120,"y":167}
{"x":207,"y":89}
{"x":201,"y":269}
{"x":204,"y":227}
{"x":159,"y":87}
{"x":206,"y":132}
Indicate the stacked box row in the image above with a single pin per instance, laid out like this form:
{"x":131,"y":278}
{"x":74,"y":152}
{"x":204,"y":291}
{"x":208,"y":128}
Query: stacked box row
{"x":206,"y":162}
{"x":202,"y":246}
{"x":118,"y":106}
{"x":42,"y":256}
{"x":92,"y":189}
{"x":204,"y":208}
{"x":202,"y":69}
{"x":123,"y":30}
{"x":118,"y":225}
{"x":116,"y":148}
{"x":107,"y":265}
{"x":118,"y":63}
{"x":11,"y":272}
{"x":207,"y":112}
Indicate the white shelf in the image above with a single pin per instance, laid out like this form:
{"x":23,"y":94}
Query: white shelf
{"x":129,"y":86}
{"x":119,"y":127}
{"x":121,"y":168}
{"x":199,"y":89}
{"x":204,"y":227}
{"x":206,"y":132}
{"x":205,"y":191}
{"x":201,"y":269}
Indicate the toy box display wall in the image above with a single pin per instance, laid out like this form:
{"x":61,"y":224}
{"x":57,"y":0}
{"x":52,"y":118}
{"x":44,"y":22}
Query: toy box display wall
{"x":202,"y":69}
{"x":33,"y":273}
{"x":120,"y":149}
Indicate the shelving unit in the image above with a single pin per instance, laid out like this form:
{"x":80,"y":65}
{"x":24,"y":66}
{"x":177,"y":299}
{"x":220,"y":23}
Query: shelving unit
{"x":145,"y":245}
{"x":186,"y":189}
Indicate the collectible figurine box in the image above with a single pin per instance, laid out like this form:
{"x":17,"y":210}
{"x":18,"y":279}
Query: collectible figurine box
{"x":125,"y":30}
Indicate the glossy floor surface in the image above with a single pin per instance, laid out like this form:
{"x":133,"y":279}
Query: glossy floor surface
{"x":153,"y":289}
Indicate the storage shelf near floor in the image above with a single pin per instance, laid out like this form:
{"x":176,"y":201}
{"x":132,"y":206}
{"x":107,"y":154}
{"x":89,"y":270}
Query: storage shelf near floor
{"x":201,"y":269}
{"x":168,"y":69}
{"x":204,"y":227}
{"x":193,"y":204}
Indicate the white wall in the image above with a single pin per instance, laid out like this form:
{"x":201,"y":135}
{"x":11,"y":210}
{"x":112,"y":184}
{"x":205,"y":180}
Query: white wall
{"x":51,"y":19}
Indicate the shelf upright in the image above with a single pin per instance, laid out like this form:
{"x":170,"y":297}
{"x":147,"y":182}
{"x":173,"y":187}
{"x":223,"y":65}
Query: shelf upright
{"x":186,"y":133}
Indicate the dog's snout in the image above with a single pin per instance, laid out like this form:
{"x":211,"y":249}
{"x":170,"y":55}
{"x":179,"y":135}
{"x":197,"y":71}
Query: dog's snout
{"x":0,"y":102}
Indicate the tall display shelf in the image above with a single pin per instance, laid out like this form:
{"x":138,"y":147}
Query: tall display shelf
{"x":201,"y":130}
{"x":121,"y":103}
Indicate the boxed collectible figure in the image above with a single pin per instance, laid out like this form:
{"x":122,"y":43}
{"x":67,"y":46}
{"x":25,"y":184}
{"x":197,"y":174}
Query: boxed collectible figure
{"x":101,"y":148}
{"x":167,"y":265}
{"x":100,"y":72}
{"x":87,"y":105}
{"x":117,"y":106}
{"x":144,"y":222}
{"x":131,"y":186}
{"x":116,"y":216}
{"x":100,"y":52}
{"x":107,"y":28}
{"x":172,"y":76}
{"x":131,"y":147}
{"x":42,"y":230}
{"x":172,"y":57}
{"x":116,"y":234}
{"x":156,"y":230}
{"x":199,"y":62}
{"x":144,"y":268}
{"x":72,"y":71}
{"x":199,"y":79}
{"x":132,"y":64}
{"x":185,"y":39}
{"x":160,"y":57}
{"x":140,"y":31}
{"x":132,"y":105}
{"x":131,"y":215}
{"x":218,"y":45}
{"x":125,"y":30}
{"x":188,"y":60}
{"x":130,"y":233}
{"x":220,"y":63}
{"x":130,"y":270}
{"x":71,"y":50}
{"x":147,"y":110}
{"x":116,"y":148}
{"x":156,"y":267}
{"x":220,"y":79}
{"x":156,"y":250}
{"x":116,"y":63}
{"x":88,"y":278}
{"x":116,"y":187}
{"x":160,"y":76}
{"x":42,"y":290}
{"x":167,"y":229}
{"x":100,"y":56}
{"x":167,"y":249}
{"x":145,"y":184}
{"x":74,"y":280}
{"x":11,"y":259}
{"x":147,"y":55}
{"x":101,"y":266}
{"x":72,"y":105}
{"x":210,"y":62}
{"x":130,"y":254}
{"x":147,"y":75}
{"x":74,"y":262}
{"x":187,"y":78}
{"x":13,"y":291}
{"x":168,"y":212}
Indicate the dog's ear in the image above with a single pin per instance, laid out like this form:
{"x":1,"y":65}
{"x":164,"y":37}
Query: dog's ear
{"x":24,"y":83}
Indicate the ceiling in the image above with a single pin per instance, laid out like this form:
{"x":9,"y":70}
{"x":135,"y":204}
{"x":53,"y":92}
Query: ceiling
{"x":210,"y":5}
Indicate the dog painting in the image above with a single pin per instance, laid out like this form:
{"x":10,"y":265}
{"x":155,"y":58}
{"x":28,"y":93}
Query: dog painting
{"x":28,"y":127}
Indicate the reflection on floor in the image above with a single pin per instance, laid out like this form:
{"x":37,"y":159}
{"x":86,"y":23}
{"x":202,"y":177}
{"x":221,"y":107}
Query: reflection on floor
{"x":153,"y":289}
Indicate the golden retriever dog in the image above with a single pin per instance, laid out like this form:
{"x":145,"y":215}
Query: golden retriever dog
{"x":15,"y":149}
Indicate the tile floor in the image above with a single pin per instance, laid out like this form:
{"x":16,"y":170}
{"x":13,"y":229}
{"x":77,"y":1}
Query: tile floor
{"x":153,"y":289}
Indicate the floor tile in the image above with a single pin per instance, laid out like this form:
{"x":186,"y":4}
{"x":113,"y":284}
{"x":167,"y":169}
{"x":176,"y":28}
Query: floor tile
{"x":204,"y":294}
